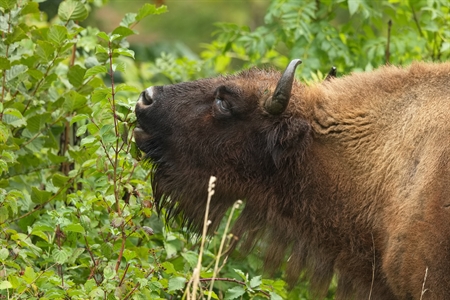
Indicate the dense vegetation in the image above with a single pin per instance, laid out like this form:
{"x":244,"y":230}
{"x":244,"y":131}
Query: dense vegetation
{"x":76,"y":210}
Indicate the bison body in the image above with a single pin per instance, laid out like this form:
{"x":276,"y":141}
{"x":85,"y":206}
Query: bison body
{"x":348,"y":177}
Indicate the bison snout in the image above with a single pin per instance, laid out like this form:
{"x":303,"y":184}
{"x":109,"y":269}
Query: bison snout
{"x":146,"y":97}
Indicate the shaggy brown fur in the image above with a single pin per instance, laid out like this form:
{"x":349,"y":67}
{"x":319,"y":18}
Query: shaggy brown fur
{"x":352,"y":179}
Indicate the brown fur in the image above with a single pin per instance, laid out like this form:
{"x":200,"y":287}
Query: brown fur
{"x":352,"y":179}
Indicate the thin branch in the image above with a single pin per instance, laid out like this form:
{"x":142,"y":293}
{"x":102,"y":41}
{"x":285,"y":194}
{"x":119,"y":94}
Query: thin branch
{"x":424,"y":290}
{"x":116,"y":129}
{"x":124,"y":273}
{"x":416,"y":21}
{"x":4,"y":71}
{"x":222,"y":243}
{"x":94,"y":262}
{"x":388,"y":44}
{"x":122,"y":248}
{"x":31,"y":284}
{"x":196,"y":274}
{"x":138,"y":285}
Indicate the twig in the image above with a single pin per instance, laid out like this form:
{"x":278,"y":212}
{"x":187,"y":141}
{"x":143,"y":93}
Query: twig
{"x":138,"y":285}
{"x":29,"y":285}
{"x":388,"y":44}
{"x":122,"y":248}
{"x":196,"y":274}
{"x":222,"y":243}
{"x":116,"y":129}
{"x":416,"y":21}
{"x":423,"y":284}
{"x":94,"y":262}
{"x":4,"y":71}
{"x":124,"y":273}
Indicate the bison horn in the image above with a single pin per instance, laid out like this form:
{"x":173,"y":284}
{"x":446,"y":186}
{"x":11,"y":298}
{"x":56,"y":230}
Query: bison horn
{"x":276,"y":104}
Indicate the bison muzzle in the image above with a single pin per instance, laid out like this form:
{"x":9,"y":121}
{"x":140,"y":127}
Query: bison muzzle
{"x":350,"y":176}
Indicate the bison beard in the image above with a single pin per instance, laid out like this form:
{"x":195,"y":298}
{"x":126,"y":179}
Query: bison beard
{"x":348,"y":177}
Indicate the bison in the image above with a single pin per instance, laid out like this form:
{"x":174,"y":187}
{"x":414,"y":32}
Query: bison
{"x":350,"y":176}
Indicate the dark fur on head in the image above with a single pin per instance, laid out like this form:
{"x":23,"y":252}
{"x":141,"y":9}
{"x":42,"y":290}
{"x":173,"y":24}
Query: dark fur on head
{"x":341,"y":182}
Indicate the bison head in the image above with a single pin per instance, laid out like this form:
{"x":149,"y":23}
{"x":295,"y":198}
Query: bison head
{"x":238,"y":128}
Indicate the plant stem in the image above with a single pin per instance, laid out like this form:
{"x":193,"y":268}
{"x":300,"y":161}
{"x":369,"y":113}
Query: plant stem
{"x":222,"y":243}
{"x":116,"y":128}
{"x":4,"y":71}
{"x":196,"y":275}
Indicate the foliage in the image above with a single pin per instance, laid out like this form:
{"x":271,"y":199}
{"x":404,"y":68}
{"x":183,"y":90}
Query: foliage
{"x":350,"y":35}
{"x":76,"y":210}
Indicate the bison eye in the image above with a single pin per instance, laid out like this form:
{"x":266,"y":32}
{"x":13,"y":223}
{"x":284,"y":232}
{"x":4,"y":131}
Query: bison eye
{"x":223,"y":106}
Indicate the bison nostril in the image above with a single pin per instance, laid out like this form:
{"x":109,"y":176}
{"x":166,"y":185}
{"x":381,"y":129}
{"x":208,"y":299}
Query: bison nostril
{"x":146,"y":97}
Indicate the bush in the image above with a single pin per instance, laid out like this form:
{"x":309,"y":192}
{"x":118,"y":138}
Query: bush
{"x":76,"y":211}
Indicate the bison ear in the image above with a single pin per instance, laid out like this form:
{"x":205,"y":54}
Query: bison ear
{"x":287,"y":137}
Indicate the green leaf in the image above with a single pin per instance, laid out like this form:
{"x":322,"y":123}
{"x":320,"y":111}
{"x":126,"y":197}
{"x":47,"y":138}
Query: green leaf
{"x":176,"y":283}
{"x":241,"y":274}
{"x":72,"y":10}
{"x":122,"y":32}
{"x":60,"y":256}
{"x":129,"y":255}
{"x":88,"y":140}
{"x":211,"y":294}
{"x":39,"y":196}
{"x":45,"y":51}
{"x":353,"y":6}
{"x":109,"y":272}
{"x":7,"y":4}
{"x":275,"y":296}
{"x":255,"y":281}
{"x":95,"y":70}
{"x":126,"y":88}
{"x":29,"y":275}
{"x":169,"y":269}
{"x":191,"y":257}
{"x":103,"y":36}
{"x":36,"y":74}
{"x":37,"y":122}
{"x":76,"y":75}
{"x":234,"y":293}
{"x":4,"y":132}
{"x":75,"y":254}
{"x":4,"y":214}
{"x":4,"y":63}
{"x":30,"y":8}
{"x":78,"y":118}
{"x":4,"y":253}
{"x":59,"y":180}
{"x":13,"y":117}
{"x":100,"y":94}
{"x":74,"y":228}
{"x":15,"y":71}
{"x":73,"y":101}
{"x":150,"y":9}
{"x":11,"y":198}
{"x":57,"y":34}
{"x":124,"y":52}
{"x":5,"y":285}
{"x":40,"y":234}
